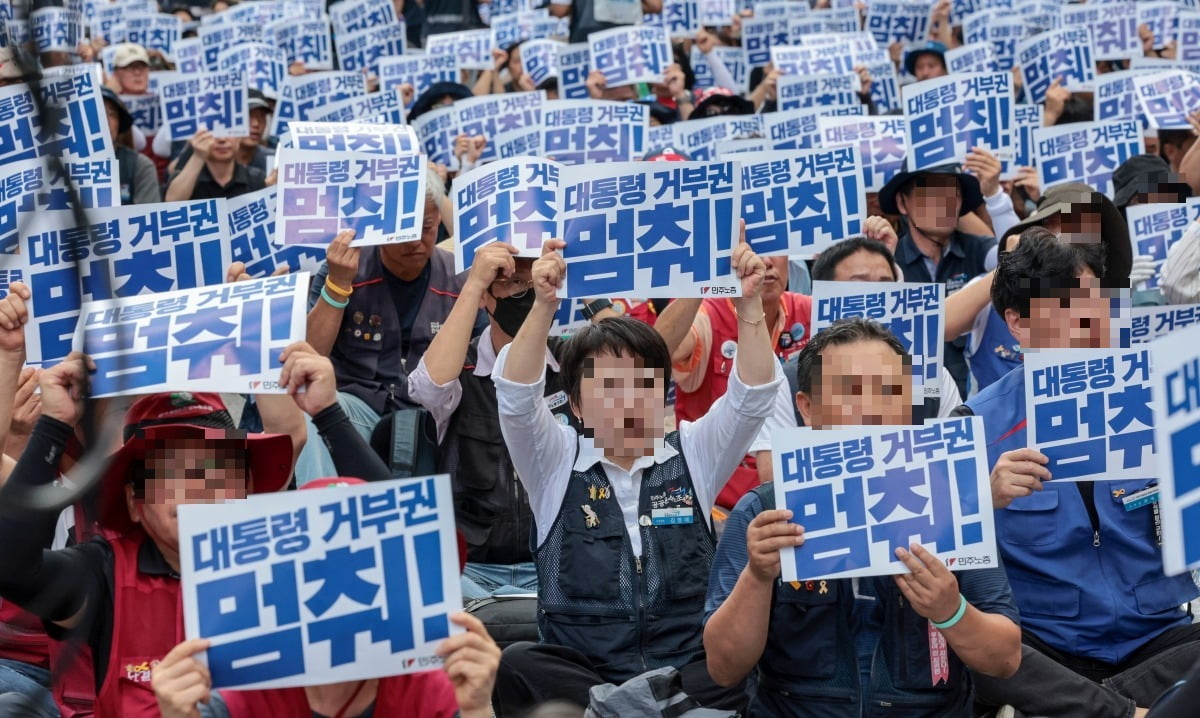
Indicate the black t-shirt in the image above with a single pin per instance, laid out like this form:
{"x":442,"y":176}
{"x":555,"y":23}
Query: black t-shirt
{"x":407,"y":297}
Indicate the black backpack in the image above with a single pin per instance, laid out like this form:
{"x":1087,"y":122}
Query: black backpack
{"x":406,"y":440}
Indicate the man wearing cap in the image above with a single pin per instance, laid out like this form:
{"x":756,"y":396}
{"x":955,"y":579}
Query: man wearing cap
{"x":131,"y":69}
{"x":251,"y":151}
{"x":931,"y":247}
{"x":118,"y":594}
{"x":138,"y":178}
{"x":926,"y":61}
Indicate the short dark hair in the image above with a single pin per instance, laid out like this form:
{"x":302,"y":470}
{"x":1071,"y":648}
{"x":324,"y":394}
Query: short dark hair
{"x":1042,"y":266}
{"x":1178,"y":138}
{"x":616,"y":336}
{"x":825,"y":267}
{"x":843,"y":331}
{"x":1076,"y":109}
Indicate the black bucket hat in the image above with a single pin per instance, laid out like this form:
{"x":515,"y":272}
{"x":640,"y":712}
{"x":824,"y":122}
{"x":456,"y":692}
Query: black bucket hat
{"x":436,"y":92}
{"x":126,"y":120}
{"x":968,"y":188}
{"x":1144,"y":174}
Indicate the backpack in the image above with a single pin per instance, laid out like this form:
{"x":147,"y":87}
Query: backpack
{"x":406,"y":440}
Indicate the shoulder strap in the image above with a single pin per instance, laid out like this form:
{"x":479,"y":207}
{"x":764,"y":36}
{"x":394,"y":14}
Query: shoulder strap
{"x":766,"y":495}
{"x":404,"y":442}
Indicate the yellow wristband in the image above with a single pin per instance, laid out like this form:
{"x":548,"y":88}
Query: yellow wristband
{"x":337,"y":289}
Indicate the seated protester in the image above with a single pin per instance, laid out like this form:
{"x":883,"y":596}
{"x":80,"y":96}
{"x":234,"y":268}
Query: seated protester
{"x":491,"y":81}
{"x":462,"y":689}
{"x":453,"y":380}
{"x":212,"y":170}
{"x":620,"y":584}
{"x":931,"y":248}
{"x":801,"y":644}
{"x":926,"y":62}
{"x":138,"y":176}
{"x":1147,"y":179}
{"x":119,"y":594}
{"x":374,"y":312}
{"x":251,"y":151}
{"x":1102,"y":627}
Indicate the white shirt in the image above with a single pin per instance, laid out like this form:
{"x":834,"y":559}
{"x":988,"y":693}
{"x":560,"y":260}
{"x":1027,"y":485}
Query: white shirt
{"x":543,"y":451}
{"x":441,"y":400}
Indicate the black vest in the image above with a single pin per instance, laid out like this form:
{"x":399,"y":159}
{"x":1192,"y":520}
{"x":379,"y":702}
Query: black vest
{"x":368,"y":356}
{"x":809,"y":667}
{"x":490,"y":505}
{"x":627,"y":614}
{"x":127,"y":161}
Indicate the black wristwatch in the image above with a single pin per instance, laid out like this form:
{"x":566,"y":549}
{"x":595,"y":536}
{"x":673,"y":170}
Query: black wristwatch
{"x":591,"y":309}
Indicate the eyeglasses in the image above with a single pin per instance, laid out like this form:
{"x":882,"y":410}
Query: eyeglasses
{"x":513,"y":288}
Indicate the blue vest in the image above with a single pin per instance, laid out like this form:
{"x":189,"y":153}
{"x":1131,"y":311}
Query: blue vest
{"x":810,"y":668}
{"x":1097,"y":595}
{"x":627,"y":614}
{"x":999,"y":352}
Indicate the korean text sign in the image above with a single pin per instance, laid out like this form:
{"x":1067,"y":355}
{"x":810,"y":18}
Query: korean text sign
{"x":1154,"y":229}
{"x":1167,"y":98}
{"x":324,"y":586}
{"x":880,"y":142}
{"x":74,"y":127}
{"x":1089,"y":411}
{"x":915,"y":313}
{"x":800,"y":202}
{"x":321,"y":193}
{"x":861,"y":493}
{"x":1065,"y":54}
{"x":629,"y":55}
{"x":204,"y":339}
{"x":947,"y":116}
{"x":1150,"y":323}
{"x":589,"y":131}
{"x":217,"y":102}
{"x":1177,"y":436}
{"x":252,"y":237}
{"x":1085,"y":152}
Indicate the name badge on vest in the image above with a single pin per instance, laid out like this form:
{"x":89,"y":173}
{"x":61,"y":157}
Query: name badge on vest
{"x":1138,"y":499}
{"x":672,"y":507}
{"x":557,"y":399}
{"x":671,"y":517}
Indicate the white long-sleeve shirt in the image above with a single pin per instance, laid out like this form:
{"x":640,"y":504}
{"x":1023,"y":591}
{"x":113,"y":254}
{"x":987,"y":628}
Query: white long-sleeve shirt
{"x":544,"y":451}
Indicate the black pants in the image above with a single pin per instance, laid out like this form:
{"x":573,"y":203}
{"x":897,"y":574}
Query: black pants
{"x":531,"y":674}
{"x":1054,"y":684}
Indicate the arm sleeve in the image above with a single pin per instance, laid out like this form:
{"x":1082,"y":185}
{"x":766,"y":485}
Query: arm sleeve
{"x":351,"y":454}
{"x":146,"y":182}
{"x":783,"y":416}
{"x":721,"y":75}
{"x":1000,"y":209}
{"x":440,"y":400}
{"x":50,"y":584}
{"x":162,"y":142}
{"x":988,"y":590}
{"x":731,"y":557}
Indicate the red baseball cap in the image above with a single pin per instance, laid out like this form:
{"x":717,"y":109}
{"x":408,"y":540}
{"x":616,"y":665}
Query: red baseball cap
{"x":184,"y":415}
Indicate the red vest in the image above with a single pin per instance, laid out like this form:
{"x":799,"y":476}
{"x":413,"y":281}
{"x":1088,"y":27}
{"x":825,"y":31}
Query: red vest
{"x":22,"y":637}
{"x":147,"y":623}
{"x":428,"y":695}
{"x":790,"y":338}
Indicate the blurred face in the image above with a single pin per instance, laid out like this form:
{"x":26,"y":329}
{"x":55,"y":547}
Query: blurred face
{"x":775,"y":280}
{"x":625,"y":93}
{"x":861,"y":383}
{"x":114,"y":119}
{"x":516,"y":286}
{"x":928,"y":66}
{"x":258,"y":125}
{"x":623,"y":404}
{"x":932,"y":205}
{"x":185,"y":471}
{"x":134,"y":79}
{"x":1079,"y":318}
{"x":412,"y":256}
{"x":514,"y":63}
{"x":1080,"y":225}
{"x":864,"y":266}
{"x":223,"y":149}
{"x":1155,"y":198}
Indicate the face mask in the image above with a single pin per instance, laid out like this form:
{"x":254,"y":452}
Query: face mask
{"x":511,"y":312}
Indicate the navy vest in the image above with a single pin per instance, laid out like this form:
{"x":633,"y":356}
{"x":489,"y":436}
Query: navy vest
{"x":627,"y":614}
{"x":1094,"y":599}
{"x":998,"y":352}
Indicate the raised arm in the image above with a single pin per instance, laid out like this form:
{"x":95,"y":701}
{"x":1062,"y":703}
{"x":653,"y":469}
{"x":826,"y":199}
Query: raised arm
{"x":331,"y":292}
{"x":13,"y":316}
{"x":181,"y":186}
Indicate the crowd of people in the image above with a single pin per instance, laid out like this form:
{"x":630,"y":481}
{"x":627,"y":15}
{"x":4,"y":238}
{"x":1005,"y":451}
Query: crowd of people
{"x":562,"y":449}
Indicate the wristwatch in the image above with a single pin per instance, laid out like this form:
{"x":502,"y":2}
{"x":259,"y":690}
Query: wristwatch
{"x":594,"y":307}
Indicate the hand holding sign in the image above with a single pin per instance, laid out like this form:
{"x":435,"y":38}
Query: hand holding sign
{"x":1056,"y":100}
{"x":494,"y":261}
{"x":342,"y":259}
{"x":472,"y":659}
{"x":202,"y":143}
{"x":986,"y":168}
{"x":1016,"y":474}
{"x":767,"y":533}
{"x":929,"y":586}
{"x":549,"y":271}
{"x":304,"y":368}
{"x":180,"y":681}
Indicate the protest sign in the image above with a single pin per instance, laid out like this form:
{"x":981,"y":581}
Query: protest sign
{"x":1112,"y":26}
{"x":252,"y":237}
{"x":75,"y":125}
{"x":31,"y":186}
{"x":697,"y":139}
{"x":1154,"y":229}
{"x":506,"y":30}
{"x":259,"y":14}
{"x":1086,"y":152}
{"x":1003,"y":30}
{"x":914,"y":313}
{"x":1150,"y":323}
{"x":759,"y":36}
{"x":204,"y":339}
{"x":800,"y":202}
{"x":660,"y":136}
{"x":947,"y":116}
{"x":680,"y":18}
{"x":56,"y":29}
{"x":795,"y":92}
{"x":323,"y":192}
{"x":539,"y":60}
{"x":146,"y":111}
{"x":1187,"y":46}
{"x":215,"y":38}
{"x":106,"y":22}
{"x":619,"y":12}
{"x":350,"y":16}
{"x":733,"y":147}
{"x":573,"y":69}
{"x":188,"y":55}
{"x":362,"y":50}
{"x":132,"y":250}
{"x":812,"y":60}
{"x":1026,"y":119}
{"x":420,"y":71}
{"x":976,"y":57}
{"x":862,"y":493}
{"x":157,"y":31}
{"x":837,"y":19}
{"x":1159,"y":17}
{"x":1116,"y":97}
{"x":512,"y":200}
{"x":904,"y":22}
{"x":717,"y":13}
{"x":592,"y":131}
{"x":734,"y":60}
{"x":1062,"y":54}
{"x":512,"y":122}
{"x":370,"y":138}
{"x":305,"y":587}
{"x":471,"y":49}
{"x":436,"y":131}
{"x":1168,"y":98}
{"x":1177,"y":435}
{"x":213,"y":101}
{"x":387,"y":105}
{"x":885,"y":85}
{"x":629,"y":55}
{"x":1089,"y":412}
{"x":264,"y":65}
{"x":800,"y":129}
{"x":304,"y":40}
{"x":301,"y":94}
{"x":880,"y":142}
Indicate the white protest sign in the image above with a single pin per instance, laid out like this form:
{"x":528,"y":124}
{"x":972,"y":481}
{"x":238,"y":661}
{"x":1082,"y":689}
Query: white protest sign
{"x":947,"y":116}
{"x":213,"y":101}
{"x":304,"y":40}
{"x":629,"y":55}
{"x":862,"y":493}
{"x":1089,"y":412}
{"x":204,"y":339}
{"x":591,"y":131}
{"x":698,"y":139}
{"x":1177,"y":437}
{"x":1087,"y":152}
{"x":1154,"y":229}
{"x":28,"y":134}
{"x":1168,"y":98}
{"x":880,"y":142}
{"x":331,"y":585}
{"x":799,"y":129}
{"x":796,"y":92}
{"x":1149,"y":323}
